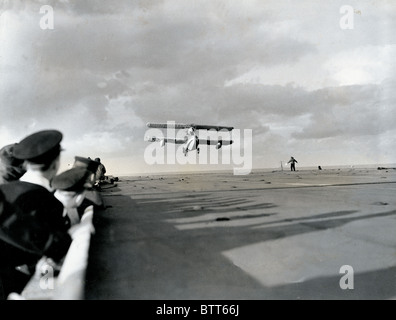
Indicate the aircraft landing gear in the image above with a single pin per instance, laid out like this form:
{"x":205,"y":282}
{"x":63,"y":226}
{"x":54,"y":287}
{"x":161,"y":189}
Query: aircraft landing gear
{"x":185,"y":150}
{"x":198,"y":150}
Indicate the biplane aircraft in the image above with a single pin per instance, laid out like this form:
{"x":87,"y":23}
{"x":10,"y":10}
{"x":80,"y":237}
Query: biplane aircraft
{"x":191,"y":140}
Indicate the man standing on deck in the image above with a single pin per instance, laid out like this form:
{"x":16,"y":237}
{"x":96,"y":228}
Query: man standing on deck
{"x":292,"y":162}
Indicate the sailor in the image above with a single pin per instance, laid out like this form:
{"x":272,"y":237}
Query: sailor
{"x":71,"y":187}
{"x":89,"y":164}
{"x":34,"y":219}
{"x":91,"y":194}
{"x":100,"y":172}
{"x":11,"y":169}
{"x":41,"y":153}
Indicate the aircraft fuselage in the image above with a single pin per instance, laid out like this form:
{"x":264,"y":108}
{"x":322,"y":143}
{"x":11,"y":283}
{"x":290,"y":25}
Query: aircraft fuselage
{"x":192,"y":143}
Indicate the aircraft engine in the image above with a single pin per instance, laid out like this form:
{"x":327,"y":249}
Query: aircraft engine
{"x":219,"y":144}
{"x":162,"y":143}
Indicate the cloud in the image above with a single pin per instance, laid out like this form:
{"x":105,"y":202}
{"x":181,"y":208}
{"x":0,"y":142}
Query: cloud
{"x":351,"y":111}
{"x":363,"y":65}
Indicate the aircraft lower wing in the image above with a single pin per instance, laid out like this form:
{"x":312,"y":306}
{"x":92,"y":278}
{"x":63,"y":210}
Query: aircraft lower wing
{"x":166,"y":140}
{"x":212,"y":142}
{"x":186,"y":126}
{"x":219,"y":143}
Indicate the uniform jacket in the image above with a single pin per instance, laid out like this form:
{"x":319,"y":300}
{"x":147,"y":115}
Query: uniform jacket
{"x":33,"y":222}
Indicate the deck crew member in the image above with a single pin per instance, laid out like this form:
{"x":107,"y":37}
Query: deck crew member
{"x":292,"y":162}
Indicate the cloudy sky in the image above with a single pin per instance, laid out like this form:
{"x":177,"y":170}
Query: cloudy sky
{"x":304,"y":84}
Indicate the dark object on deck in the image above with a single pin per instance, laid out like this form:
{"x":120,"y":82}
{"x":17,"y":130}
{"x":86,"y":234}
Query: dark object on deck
{"x":223,"y":219}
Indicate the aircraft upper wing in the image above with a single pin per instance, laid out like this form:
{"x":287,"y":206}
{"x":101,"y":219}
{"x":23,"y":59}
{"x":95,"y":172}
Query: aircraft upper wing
{"x":209,"y":127}
{"x":186,"y":126}
{"x":165,"y":125}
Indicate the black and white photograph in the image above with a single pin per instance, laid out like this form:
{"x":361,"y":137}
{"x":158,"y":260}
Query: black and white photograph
{"x":187,"y":151}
